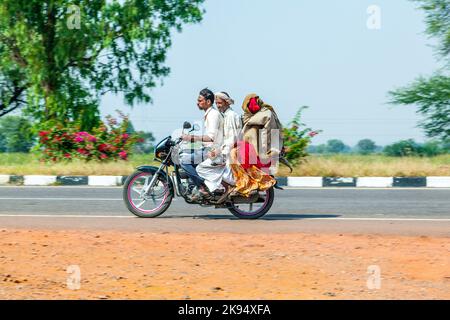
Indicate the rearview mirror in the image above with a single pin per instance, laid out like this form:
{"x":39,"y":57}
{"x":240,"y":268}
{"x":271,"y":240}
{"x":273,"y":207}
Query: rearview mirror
{"x":187,"y":125}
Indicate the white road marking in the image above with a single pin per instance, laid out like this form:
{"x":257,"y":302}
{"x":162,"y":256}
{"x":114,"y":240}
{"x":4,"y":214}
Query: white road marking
{"x":382,"y":219}
{"x":67,"y":199}
{"x":64,"y":199}
{"x":284,"y":187}
{"x":61,"y":187}
{"x":60,"y":216}
{"x":364,"y":188}
{"x":131,"y":216}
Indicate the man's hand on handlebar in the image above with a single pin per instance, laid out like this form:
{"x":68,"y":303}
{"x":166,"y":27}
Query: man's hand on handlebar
{"x":194,"y":138}
{"x":187,"y":137}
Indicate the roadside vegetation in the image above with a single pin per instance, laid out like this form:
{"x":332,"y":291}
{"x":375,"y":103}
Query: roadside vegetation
{"x":337,"y":165}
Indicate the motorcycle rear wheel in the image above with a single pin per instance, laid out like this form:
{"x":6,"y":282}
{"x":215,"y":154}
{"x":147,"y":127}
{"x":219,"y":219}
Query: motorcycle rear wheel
{"x":250,"y":213}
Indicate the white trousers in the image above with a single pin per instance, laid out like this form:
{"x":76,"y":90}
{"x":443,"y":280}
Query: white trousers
{"x":214,"y":174}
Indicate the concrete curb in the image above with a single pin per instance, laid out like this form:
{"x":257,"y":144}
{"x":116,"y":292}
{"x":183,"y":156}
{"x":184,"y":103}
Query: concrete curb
{"x":300,"y":182}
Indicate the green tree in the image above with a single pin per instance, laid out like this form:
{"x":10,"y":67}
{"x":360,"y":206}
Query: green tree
{"x":145,"y":140}
{"x":16,"y":134}
{"x":408,"y":148}
{"x":432,"y":148}
{"x":321,"y":149}
{"x":366,"y":146}
{"x":2,"y":142}
{"x":335,"y":146}
{"x":432,"y":95}
{"x":404,"y":148}
{"x":146,"y":143}
{"x":57,"y":57}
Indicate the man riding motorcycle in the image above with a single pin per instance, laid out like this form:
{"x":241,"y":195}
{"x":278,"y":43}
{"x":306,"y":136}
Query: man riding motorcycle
{"x":212,"y":139}
{"x":216,"y":170}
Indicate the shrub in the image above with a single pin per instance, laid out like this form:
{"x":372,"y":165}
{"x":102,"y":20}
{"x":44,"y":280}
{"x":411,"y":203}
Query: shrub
{"x":104,"y":143}
{"x":297,"y":140}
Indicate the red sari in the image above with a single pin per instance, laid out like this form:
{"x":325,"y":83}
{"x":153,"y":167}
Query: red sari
{"x":249,"y":172}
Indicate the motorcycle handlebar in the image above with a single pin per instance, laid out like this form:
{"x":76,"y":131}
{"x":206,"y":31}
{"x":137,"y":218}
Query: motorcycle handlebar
{"x":176,"y":141}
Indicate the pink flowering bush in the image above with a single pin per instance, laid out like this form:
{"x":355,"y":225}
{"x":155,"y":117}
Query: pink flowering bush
{"x":106,"y":142}
{"x":297,"y":137}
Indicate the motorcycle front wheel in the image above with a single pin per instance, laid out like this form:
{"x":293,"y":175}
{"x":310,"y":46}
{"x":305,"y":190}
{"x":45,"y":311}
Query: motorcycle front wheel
{"x":254,"y":210}
{"x":150,"y":205}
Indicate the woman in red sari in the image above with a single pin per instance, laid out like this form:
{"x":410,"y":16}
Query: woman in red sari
{"x":249,"y":173}
{"x":253,"y":158}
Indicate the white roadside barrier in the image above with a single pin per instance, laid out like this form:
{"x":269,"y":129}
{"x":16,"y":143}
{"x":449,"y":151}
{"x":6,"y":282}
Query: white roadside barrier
{"x":306,"y":182}
{"x":438,"y":182}
{"x":105,"y":181}
{"x":4,"y":179}
{"x":375,"y":182}
{"x":299,"y":182}
{"x":38,"y":180}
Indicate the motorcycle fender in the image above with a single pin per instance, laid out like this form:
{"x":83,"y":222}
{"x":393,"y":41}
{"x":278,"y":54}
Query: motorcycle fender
{"x":151,"y":169}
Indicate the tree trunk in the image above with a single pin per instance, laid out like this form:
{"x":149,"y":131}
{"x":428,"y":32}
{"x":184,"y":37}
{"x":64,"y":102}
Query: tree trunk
{"x":50,"y":81}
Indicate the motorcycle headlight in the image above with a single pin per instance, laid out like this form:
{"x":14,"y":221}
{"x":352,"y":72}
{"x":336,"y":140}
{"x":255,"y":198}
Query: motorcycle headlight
{"x":161,"y":155}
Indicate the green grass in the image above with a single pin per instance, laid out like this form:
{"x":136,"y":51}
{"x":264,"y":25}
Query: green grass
{"x":315,"y":165}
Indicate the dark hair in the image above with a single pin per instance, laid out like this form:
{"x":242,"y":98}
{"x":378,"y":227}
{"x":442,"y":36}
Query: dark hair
{"x":208,"y":95}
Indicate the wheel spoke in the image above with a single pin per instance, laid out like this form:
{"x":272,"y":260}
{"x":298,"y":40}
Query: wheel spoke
{"x":146,"y":181}
{"x":140,"y":204}
{"x":136,"y":190}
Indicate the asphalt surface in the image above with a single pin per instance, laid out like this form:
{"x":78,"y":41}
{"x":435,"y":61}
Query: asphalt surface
{"x":324,"y":210}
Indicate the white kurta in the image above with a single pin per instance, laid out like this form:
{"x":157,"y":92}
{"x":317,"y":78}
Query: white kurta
{"x":213,"y":128}
{"x":214,"y":170}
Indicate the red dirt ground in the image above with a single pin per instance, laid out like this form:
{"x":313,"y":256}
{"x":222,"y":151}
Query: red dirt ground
{"x":125,"y":265}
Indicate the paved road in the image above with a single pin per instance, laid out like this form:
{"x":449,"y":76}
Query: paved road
{"x":389,"y":211}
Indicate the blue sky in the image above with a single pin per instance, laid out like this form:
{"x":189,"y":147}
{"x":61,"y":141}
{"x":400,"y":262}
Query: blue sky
{"x":292,"y":53}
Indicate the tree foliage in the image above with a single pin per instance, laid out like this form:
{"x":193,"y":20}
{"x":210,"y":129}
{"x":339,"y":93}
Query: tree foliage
{"x":335,"y":146}
{"x":146,"y":144}
{"x":366,"y":146}
{"x":409,"y":148}
{"x":432,"y":95}
{"x":16,"y":134}
{"x":437,"y":19}
{"x":57,"y":57}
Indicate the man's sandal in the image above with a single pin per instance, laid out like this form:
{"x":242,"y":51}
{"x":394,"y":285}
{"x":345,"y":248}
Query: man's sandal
{"x":225,"y":195}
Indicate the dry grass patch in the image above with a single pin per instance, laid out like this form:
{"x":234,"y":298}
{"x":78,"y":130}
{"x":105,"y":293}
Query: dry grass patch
{"x":326,"y":165}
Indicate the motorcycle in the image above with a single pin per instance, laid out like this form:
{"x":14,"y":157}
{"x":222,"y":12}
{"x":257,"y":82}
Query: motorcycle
{"x":149,"y":191}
